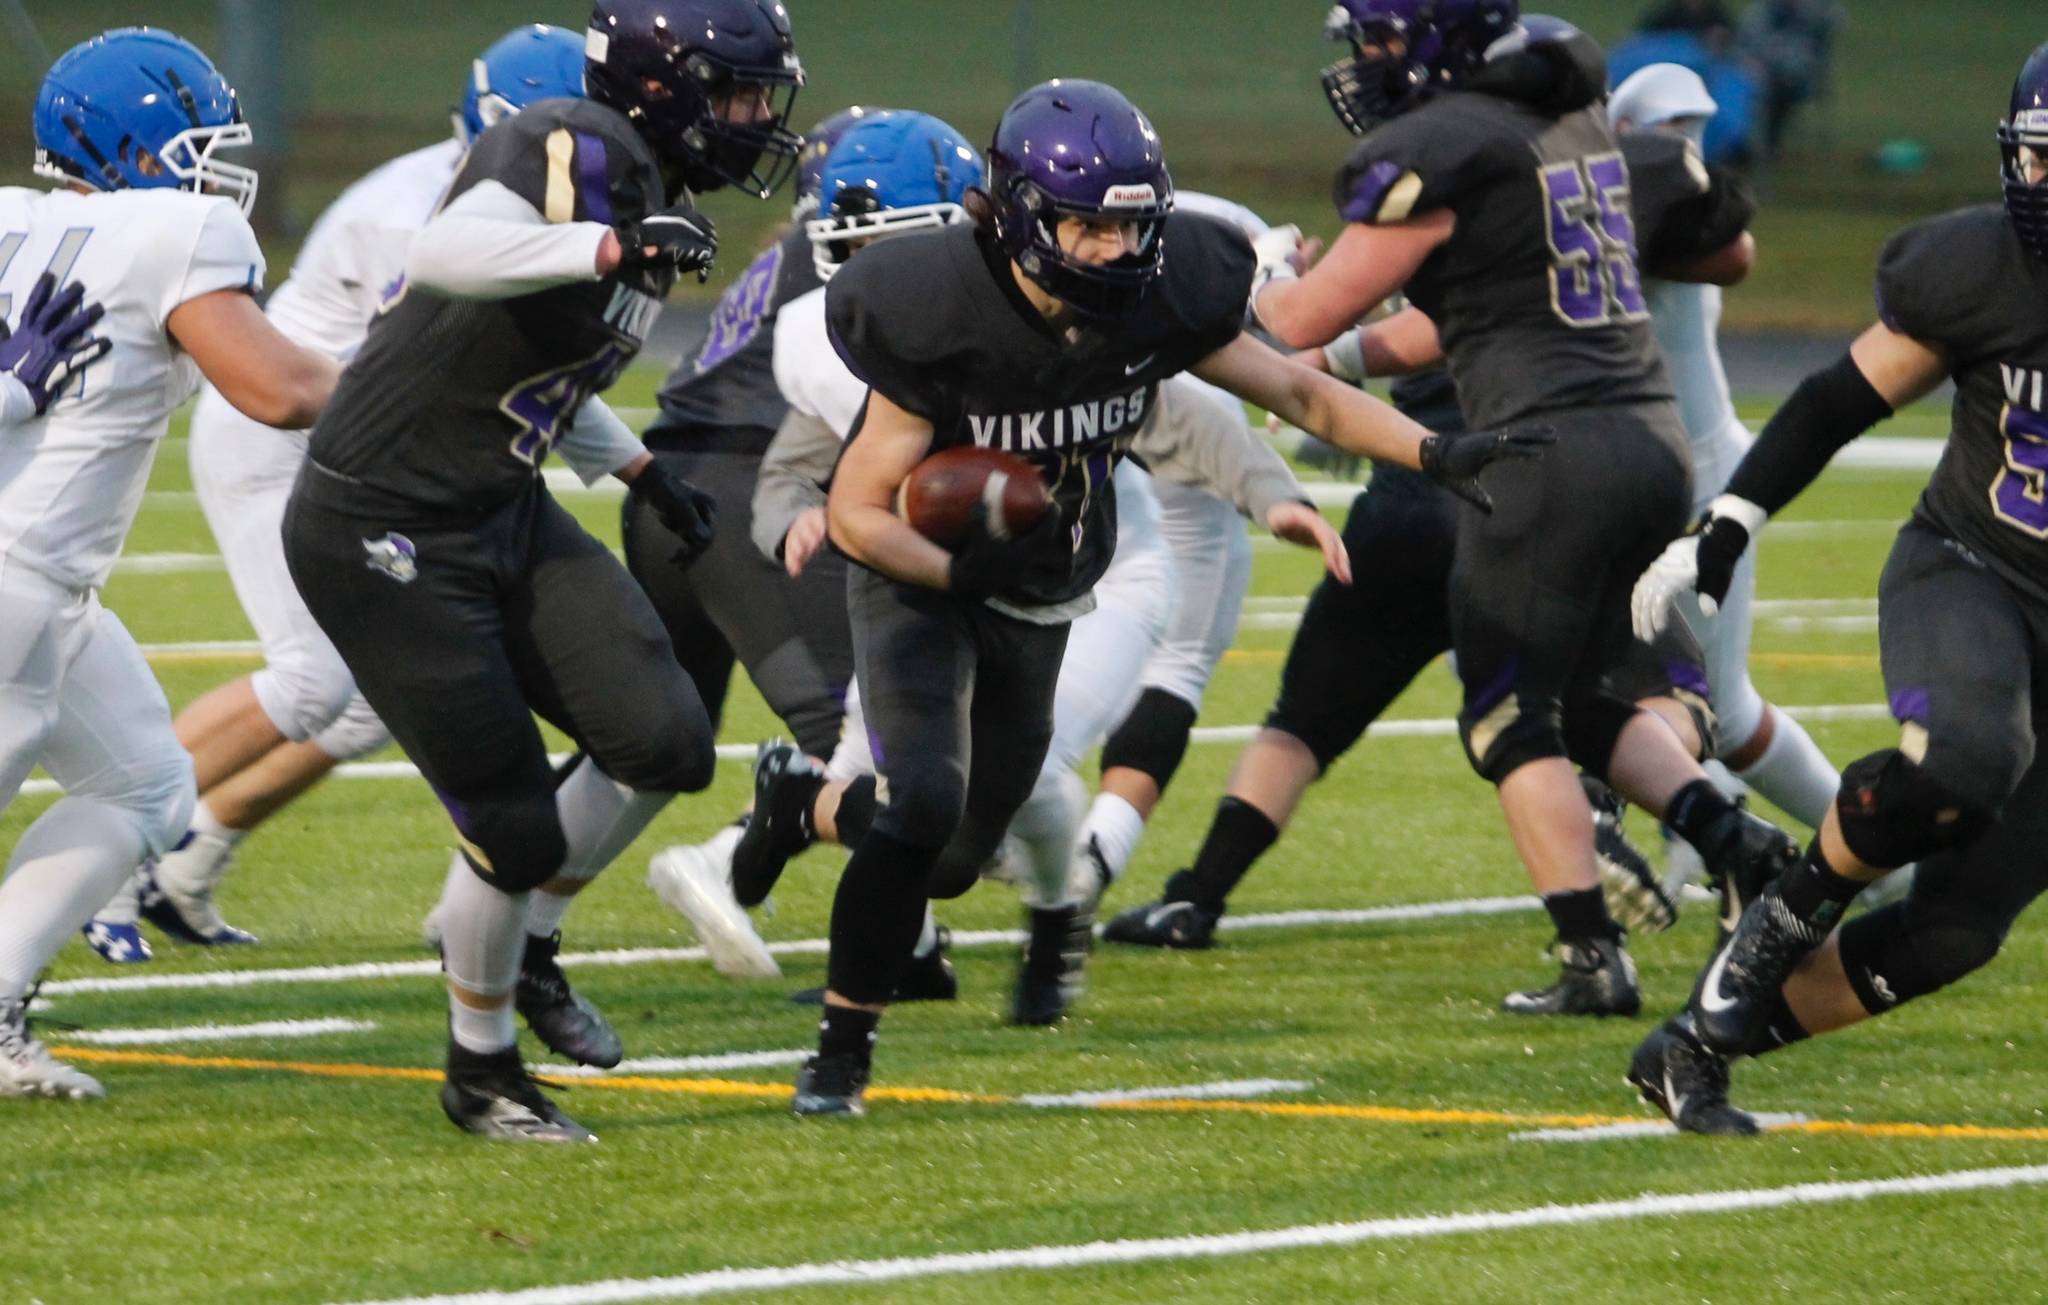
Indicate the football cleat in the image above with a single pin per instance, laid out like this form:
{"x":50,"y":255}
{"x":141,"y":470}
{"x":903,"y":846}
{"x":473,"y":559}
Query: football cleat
{"x":1689,"y":1083}
{"x":785,"y":783}
{"x":1740,"y":985}
{"x":113,"y":932}
{"x":1745,"y":854}
{"x":1055,"y":956}
{"x":183,"y":908}
{"x":698,"y":885}
{"x":1181,"y":925}
{"x":569,"y":1025}
{"x":493,"y":1096}
{"x":1596,"y":977}
{"x":832,"y":1085}
{"x":929,"y":978}
{"x":1636,"y":900}
{"x":27,"y":1069}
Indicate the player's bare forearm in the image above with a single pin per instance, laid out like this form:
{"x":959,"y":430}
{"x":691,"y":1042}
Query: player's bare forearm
{"x":254,"y":366}
{"x":859,"y":511}
{"x":1321,"y":405}
{"x":1406,"y":342}
{"x":1366,"y":264}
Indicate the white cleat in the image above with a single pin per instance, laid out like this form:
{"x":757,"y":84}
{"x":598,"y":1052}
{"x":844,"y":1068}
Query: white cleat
{"x":178,"y":888}
{"x":698,"y":884}
{"x":27,"y":1069}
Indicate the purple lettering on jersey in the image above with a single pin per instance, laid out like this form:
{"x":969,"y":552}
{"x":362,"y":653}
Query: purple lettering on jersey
{"x":544,"y":404}
{"x":591,"y":178}
{"x":2019,"y":493}
{"x":741,"y":310}
{"x":1593,"y":276}
{"x":1609,"y":175}
{"x":1371,"y":192}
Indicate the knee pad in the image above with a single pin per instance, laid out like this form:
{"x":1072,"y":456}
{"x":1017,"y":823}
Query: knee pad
{"x":1511,"y":734}
{"x":922,"y":805}
{"x":1896,"y":953}
{"x":670,"y":758}
{"x":515,"y":844}
{"x":1592,"y":726}
{"x":1153,"y":739}
{"x":1893,"y":812}
{"x":357,"y":732}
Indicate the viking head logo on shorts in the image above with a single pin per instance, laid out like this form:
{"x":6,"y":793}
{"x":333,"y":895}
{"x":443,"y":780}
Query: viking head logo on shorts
{"x":394,"y":555}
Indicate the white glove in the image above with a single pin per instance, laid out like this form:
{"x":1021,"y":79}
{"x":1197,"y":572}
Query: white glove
{"x":1276,"y":248}
{"x":1675,"y":572}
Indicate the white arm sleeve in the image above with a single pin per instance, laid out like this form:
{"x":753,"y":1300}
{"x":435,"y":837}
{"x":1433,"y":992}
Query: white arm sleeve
{"x":16,"y":405}
{"x":224,"y":256}
{"x":598,"y":443}
{"x":491,"y":244}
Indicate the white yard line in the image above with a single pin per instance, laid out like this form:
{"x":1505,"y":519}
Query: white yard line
{"x":1230,"y":1245}
{"x":631,"y":956}
{"x":679,"y":1064}
{"x":214,"y":1032}
{"x":1244,"y":1087}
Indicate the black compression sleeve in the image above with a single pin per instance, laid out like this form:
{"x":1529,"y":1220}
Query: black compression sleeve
{"x":1829,"y":409}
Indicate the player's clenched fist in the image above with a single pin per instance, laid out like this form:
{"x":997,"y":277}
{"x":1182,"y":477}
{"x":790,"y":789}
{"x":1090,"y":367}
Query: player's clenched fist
{"x":678,"y":237}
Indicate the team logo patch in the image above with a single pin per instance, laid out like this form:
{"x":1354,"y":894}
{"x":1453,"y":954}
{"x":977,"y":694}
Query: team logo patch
{"x":394,"y":555}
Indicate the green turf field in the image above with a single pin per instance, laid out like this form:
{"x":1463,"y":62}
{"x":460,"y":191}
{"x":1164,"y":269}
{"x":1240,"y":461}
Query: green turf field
{"x":308,"y":1169}
{"x":1232,"y":84}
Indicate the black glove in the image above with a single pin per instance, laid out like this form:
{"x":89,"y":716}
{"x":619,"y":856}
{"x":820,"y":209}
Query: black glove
{"x":1455,"y":461}
{"x":1722,"y":541}
{"x":51,"y":345}
{"x":690,"y":514}
{"x":985,"y":565}
{"x":682,"y":239}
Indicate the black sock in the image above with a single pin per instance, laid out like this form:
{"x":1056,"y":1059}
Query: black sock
{"x":1694,"y":812}
{"x":1779,"y":1029}
{"x":856,"y":811}
{"x":1238,"y":836}
{"x":1580,"y":914}
{"x":847,"y":1031}
{"x":1814,"y":894}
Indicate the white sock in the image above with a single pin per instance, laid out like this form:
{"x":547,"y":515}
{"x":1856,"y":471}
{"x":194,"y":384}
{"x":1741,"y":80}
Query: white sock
{"x":600,"y":819}
{"x":1045,"y":828}
{"x":1794,"y":773}
{"x":1116,"y":827}
{"x":68,"y":863}
{"x":202,"y":860}
{"x":483,"y":939}
{"x":544,"y":911}
{"x":206,"y":825}
{"x":928,"y":936}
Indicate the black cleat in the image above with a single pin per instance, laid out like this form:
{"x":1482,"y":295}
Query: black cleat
{"x":569,"y":1025}
{"x":1689,"y":1083}
{"x":1739,"y":987}
{"x":1055,"y":955}
{"x":1181,"y":925}
{"x":929,"y":978}
{"x":785,"y":783}
{"x":1636,"y":899}
{"x":493,"y":1096}
{"x":1744,"y":855}
{"x":1596,"y":978}
{"x":831,"y":1085}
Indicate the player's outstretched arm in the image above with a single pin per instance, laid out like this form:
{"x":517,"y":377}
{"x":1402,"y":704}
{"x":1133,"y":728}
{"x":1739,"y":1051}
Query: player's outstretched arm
{"x":860,"y":509}
{"x":254,"y":366}
{"x":1367,"y":264}
{"x":1882,"y":372}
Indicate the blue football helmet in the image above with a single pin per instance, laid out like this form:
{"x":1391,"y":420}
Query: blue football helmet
{"x":525,"y":66}
{"x":2026,"y":129}
{"x":1404,"y":51}
{"x":889,"y":174}
{"x":816,"y":144}
{"x":138,"y":108}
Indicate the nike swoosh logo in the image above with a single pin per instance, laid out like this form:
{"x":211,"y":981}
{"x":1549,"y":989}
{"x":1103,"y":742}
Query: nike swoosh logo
{"x":1710,"y":988}
{"x":1673,"y":1098}
{"x":1139,"y":366}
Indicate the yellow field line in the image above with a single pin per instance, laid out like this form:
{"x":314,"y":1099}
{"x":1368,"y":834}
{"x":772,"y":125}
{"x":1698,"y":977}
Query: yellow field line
{"x":721,"y":1087}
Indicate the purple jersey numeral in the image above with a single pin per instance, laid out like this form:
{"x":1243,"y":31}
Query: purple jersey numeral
{"x":2019,"y":493}
{"x":543,"y":404}
{"x":741,"y":310}
{"x":1593,"y":277}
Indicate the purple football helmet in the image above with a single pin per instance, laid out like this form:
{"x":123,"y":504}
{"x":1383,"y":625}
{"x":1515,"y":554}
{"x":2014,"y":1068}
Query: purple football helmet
{"x":816,"y":144}
{"x":1079,"y":149}
{"x":1404,"y":51}
{"x":675,"y":67}
{"x":2026,"y":127}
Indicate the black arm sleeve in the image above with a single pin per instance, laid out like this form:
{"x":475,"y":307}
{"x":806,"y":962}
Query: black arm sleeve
{"x":1703,"y":225}
{"x":1829,"y":409}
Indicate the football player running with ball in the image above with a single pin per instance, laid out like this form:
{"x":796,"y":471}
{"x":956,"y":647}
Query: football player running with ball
{"x":1963,"y":638}
{"x":1043,"y":329}
{"x":1503,"y":209}
{"x":420,"y":533}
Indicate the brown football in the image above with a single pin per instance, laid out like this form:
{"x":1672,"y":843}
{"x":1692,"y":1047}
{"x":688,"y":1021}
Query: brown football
{"x":939,"y":495}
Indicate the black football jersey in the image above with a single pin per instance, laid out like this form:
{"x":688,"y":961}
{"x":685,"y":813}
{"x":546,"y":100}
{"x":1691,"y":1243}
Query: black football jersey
{"x":728,"y":383}
{"x":1683,"y":209}
{"x":1962,"y":283}
{"x":934,"y":322}
{"x":1538,"y":294}
{"x":452,"y":404}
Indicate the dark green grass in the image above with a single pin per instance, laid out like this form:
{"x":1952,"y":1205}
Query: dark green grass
{"x":203,"y":1185}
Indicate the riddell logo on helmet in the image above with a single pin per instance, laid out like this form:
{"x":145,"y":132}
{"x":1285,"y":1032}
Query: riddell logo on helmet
{"x":1130,"y":197}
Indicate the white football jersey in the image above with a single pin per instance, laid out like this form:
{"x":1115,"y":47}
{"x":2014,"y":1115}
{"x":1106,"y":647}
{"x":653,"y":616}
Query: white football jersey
{"x":358,"y":248}
{"x":72,"y":479}
{"x":807,"y":368}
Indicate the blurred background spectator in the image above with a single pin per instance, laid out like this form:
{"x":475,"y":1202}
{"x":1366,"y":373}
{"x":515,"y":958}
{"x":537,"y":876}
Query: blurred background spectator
{"x":1792,"y":42}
